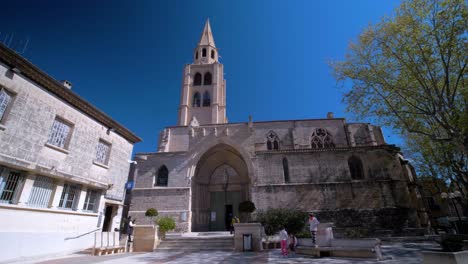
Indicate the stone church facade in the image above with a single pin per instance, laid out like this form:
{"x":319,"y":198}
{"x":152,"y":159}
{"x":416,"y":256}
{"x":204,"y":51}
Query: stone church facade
{"x":204,"y":167}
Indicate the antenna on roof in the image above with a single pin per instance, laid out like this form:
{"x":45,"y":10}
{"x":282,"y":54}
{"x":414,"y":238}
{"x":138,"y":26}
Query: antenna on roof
{"x":20,"y":45}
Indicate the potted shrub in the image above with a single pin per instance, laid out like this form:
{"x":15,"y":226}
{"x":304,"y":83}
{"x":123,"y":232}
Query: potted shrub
{"x":151,"y":213}
{"x":165,"y":224}
{"x":246,"y":208}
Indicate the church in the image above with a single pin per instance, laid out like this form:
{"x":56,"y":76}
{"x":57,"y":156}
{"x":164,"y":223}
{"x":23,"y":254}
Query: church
{"x":205,"y":166}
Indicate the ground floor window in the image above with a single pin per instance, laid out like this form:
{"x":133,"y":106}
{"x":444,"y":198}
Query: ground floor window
{"x":41,"y":192}
{"x":91,"y":201}
{"x":10,"y":185}
{"x":70,"y":196}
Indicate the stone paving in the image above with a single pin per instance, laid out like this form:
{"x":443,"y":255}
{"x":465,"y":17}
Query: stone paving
{"x":408,"y":253}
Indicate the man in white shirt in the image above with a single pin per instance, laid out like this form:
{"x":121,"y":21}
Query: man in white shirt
{"x":313,"y":224}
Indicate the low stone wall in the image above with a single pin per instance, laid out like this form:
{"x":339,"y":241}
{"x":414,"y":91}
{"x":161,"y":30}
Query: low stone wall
{"x":145,"y":238}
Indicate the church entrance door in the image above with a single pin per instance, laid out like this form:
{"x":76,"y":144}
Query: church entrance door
{"x":220,"y":183}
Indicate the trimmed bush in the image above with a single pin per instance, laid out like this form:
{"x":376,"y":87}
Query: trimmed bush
{"x":166,"y":224}
{"x":151,"y":212}
{"x":274,"y":219}
{"x":246,"y":207}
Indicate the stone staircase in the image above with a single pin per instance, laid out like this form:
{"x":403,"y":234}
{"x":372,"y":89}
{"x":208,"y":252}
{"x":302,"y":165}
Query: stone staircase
{"x":206,"y":241}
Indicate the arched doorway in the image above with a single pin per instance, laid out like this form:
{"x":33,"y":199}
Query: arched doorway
{"x":220,"y":183}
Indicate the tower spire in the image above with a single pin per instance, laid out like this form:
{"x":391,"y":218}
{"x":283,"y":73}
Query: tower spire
{"x":206,"y":38}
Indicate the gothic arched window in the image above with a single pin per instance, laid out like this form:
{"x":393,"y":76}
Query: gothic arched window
{"x":203,"y":52}
{"x":355,"y":167}
{"x":207,"y":79}
{"x":162,"y":176}
{"x":196,"y":55}
{"x":212,"y":54}
{"x":196,"y":100}
{"x":197,"y":79}
{"x":272,"y":141}
{"x":206,"y":99}
{"x":321,"y":138}
{"x":286,"y":170}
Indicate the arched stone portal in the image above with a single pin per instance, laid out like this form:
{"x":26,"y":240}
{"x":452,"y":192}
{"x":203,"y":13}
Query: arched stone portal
{"x":220,"y":183}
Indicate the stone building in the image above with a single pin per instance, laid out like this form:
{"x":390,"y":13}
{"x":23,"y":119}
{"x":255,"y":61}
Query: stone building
{"x":205,"y":166}
{"x":63,"y":164}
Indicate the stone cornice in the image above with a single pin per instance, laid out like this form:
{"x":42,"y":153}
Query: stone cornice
{"x":27,"y":69}
{"x":391,"y":148}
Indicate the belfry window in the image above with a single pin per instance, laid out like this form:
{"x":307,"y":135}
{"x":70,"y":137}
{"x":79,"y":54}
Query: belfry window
{"x":162,"y":176}
{"x":286,"y":170}
{"x":355,"y":167}
{"x":203,"y":52}
{"x":206,"y":99}
{"x":272,"y":141}
{"x":212,"y":54}
{"x":196,"y":55}
{"x":321,"y":138}
{"x":196,"y":100}
{"x":207,"y":79}
{"x":197,"y":79}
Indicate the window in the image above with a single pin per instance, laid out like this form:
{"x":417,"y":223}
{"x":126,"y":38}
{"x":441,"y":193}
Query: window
{"x":355,"y":167}
{"x":207,"y":79}
{"x":286,"y":170}
{"x":206,"y":99}
{"x":321,"y":138}
{"x":102,"y":152}
{"x":203,"y":52}
{"x":196,"y":100}
{"x":10,"y":185}
{"x":70,"y":196}
{"x":5,"y":100}
{"x":91,"y":201}
{"x":212,"y":54}
{"x":272,"y":141}
{"x":196,"y":55}
{"x":60,"y":134}
{"x":197,"y":79}
{"x":41,"y":192}
{"x":162,"y":176}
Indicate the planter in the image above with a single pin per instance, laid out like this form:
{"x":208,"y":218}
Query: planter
{"x":435,"y":257}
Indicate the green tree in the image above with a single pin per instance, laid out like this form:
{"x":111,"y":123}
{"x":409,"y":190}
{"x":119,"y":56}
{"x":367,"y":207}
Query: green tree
{"x":408,"y":71}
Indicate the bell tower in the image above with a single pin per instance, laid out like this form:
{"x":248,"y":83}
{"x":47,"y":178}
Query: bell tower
{"x":203,"y":92}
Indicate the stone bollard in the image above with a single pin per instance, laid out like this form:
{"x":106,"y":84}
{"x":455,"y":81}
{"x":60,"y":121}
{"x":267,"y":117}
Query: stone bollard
{"x":248,"y":228}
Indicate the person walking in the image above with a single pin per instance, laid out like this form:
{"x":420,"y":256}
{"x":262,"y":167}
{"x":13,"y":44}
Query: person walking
{"x":284,"y":241}
{"x":131,"y":224}
{"x":313,"y":224}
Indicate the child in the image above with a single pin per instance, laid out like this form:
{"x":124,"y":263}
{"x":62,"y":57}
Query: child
{"x":292,"y":243}
{"x":284,"y":242}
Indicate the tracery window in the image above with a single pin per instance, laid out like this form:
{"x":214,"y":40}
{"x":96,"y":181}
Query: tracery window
{"x":355,"y":167}
{"x":197,"y":79}
{"x":207,"y":79}
{"x":162,"y":177}
{"x":321,"y":138}
{"x":286,"y":170}
{"x":196,"y":100}
{"x":206,"y":99}
{"x":272,"y":141}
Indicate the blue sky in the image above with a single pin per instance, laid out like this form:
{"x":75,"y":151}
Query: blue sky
{"x":126,"y":57}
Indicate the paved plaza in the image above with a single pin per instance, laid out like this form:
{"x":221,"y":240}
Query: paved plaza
{"x":408,"y":253}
